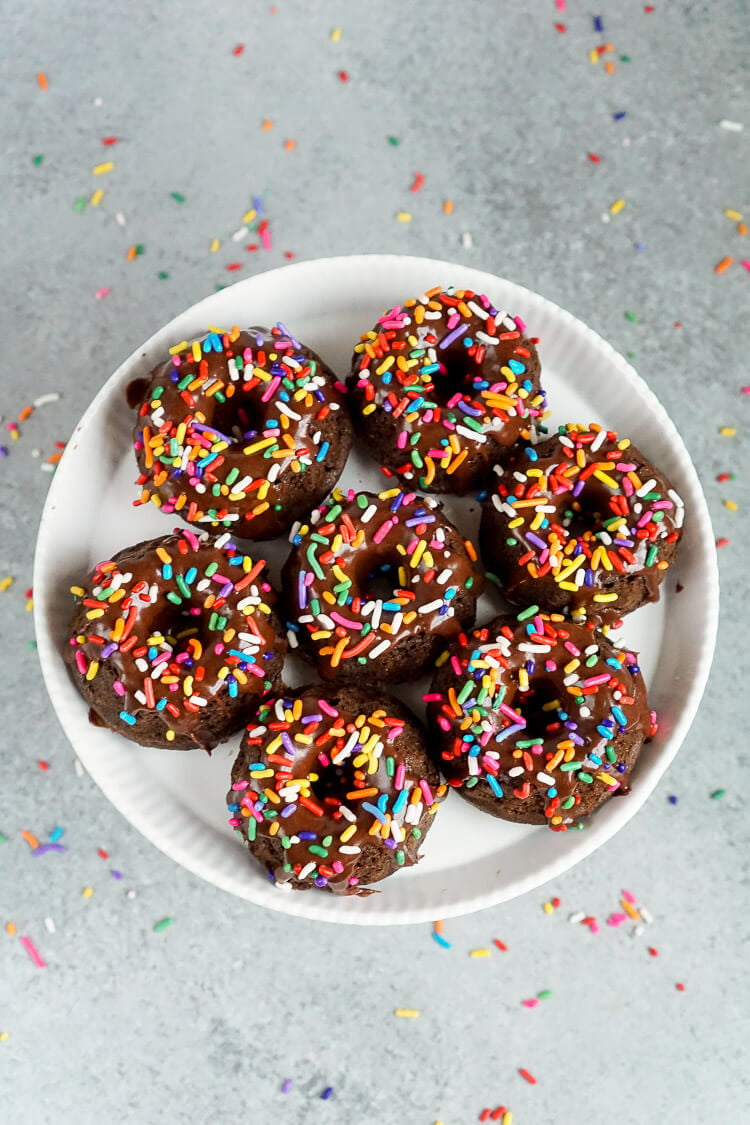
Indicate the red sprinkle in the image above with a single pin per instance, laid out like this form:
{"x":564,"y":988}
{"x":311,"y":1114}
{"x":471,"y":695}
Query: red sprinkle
{"x":556,"y":902}
{"x":680,"y":987}
{"x":238,"y":49}
{"x":500,"y":944}
{"x":722,"y":542}
{"x":110,"y":140}
{"x":653,"y":952}
{"x":724,"y":476}
{"x":561,"y":27}
{"x":594,"y":158}
{"x":418,"y":182}
{"x":343,"y":76}
{"x":529,"y":1077}
{"x":102,"y":854}
{"x":43,"y":765}
{"x":234,"y":266}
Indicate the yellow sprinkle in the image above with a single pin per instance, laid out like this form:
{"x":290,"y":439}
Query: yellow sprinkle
{"x":617,"y":206}
{"x":727,"y":431}
{"x":406,"y":1013}
{"x":403,"y":216}
{"x":548,"y":908}
{"x":29,"y":605}
{"x":10,"y":928}
{"x":249,"y":215}
{"x":593,"y":56}
{"x":480,"y":953}
{"x":97,"y":197}
{"x":215,"y":245}
{"x":335,"y":34}
{"x":735,"y":216}
{"x":4,"y":1035}
{"x":508,"y":1117}
{"x":731,"y":505}
{"x":5,"y":583}
{"x":100,"y":169}
{"x":87,"y":892}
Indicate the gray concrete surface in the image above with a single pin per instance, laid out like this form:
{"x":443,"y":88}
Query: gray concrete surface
{"x":203,"y":1021}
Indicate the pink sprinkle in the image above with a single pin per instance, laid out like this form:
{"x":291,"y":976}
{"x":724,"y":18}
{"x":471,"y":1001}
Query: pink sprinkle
{"x":744,"y":262}
{"x":616,"y":919}
{"x":426,"y":791}
{"x":628,"y":897}
{"x":745,"y":390}
{"x":192,"y":539}
{"x":560,"y":5}
{"x":81,"y":662}
{"x":102,"y":293}
{"x":326,"y":707}
{"x":240,"y":785}
{"x":400,"y":777}
{"x":530,"y":1003}
{"x":382,"y":531}
{"x":520,"y":324}
{"x":512,"y":715}
{"x":33,"y":953}
{"x":270,"y":390}
{"x":345,"y":622}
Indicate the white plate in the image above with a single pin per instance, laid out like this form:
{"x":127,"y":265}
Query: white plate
{"x":177,"y":799}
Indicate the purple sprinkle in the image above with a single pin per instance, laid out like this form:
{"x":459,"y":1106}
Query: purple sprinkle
{"x":532,"y":538}
{"x":116,"y":874}
{"x":446,"y":340}
{"x":3,"y":451}
{"x":43,"y":848}
{"x":286,"y":1085}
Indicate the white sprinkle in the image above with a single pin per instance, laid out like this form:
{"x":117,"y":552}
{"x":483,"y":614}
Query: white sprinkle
{"x":45,"y":400}
{"x":47,"y":468}
{"x":51,"y":928}
{"x":35,"y":452}
{"x":732,"y":126}
{"x":600,"y":438}
{"x":478,"y":310}
{"x":350,"y":849}
{"x":646,"y":487}
{"x":487,"y":340}
{"x":545,"y":778}
{"x":239,"y":234}
{"x":307,"y":870}
{"x":379,"y":649}
{"x":466,"y":432}
{"x":120,"y":219}
{"x":431,"y":607}
{"x":577,"y":917}
{"x":637,"y":931}
{"x":646,"y":915}
{"x":515,"y":771}
{"x":466,"y":240}
{"x":130,"y":894}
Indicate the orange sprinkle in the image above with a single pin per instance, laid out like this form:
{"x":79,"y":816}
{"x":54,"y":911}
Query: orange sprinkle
{"x":289,"y":144}
{"x":42,"y":80}
{"x":10,"y":928}
{"x":30,"y":838}
{"x":266,"y":125}
{"x":723,"y":265}
{"x":448,"y":207}
{"x":25,"y":413}
{"x":742,"y":228}
{"x":609,"y":67}
{"x":438,"y":926}
{"x":132,"y":253}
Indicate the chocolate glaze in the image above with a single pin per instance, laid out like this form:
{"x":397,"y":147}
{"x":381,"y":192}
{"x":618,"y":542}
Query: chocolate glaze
{"x":268,"y":394}
{"x":336,"y":743}
{"x":542,"y":491}
{"x":170,"y":644}
{"x":329,"y":574}
{"x":484,"y":729}
{"x":452,"y":384}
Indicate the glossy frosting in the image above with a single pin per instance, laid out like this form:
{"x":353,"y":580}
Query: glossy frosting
{"x":348,"y":539}
{"x":227,"y":424}
{"x":453,"y":380}
{"x":532,"y":705}
{"x":176,"y":622}
{"x":585,"y":475}
{"x":326,"y":782}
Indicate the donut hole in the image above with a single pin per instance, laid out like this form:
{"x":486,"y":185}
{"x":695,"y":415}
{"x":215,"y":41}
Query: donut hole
{"x":380,"y":582}
{"x":181,"y":626}
{"x":587,"y":512}
{"x":453,"y":377}
{"x":543,"y":693}
{"x":239,"y":418}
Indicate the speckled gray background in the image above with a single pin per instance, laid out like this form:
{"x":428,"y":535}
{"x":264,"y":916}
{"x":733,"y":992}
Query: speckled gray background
{"x":203,"y":1021}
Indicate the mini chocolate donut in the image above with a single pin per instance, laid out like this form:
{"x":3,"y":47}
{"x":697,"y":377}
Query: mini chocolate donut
{"x":442,"y":386}
{"x":174,"y":639}
{"x":583,"y":522}
{"x":246,"y":430}
{"x":333,"y":788}
{"x":376,"y":583}
{"x":536,"y":719}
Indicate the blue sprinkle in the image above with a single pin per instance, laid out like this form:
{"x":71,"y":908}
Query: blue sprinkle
{"x":126,"y":718}
{"x":441,"y":940}
{"x":374,"y":810}
{"x":598,"y":23}
{"x":494,"y":785}
{"x":516,"y":366}
{"x":619,"y":115}
{"x":323,"y":451}
{"x":329,"y":1089}
{"x":672,"y":799}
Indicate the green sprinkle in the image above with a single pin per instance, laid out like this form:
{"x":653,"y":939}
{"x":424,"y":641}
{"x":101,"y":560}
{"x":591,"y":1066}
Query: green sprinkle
{"x":416,"y":833}
{"x":510,"y":543}
{"x":252,"y":828}
{"x":317,"y":850}
{"x":525,"y":614}
{"x":568,"y":803}
{"x":625,"y":58}
{"x":393,"y":141}
{"x":80,"y":204}
{"x":327,"y":841}
{"x":399,"y":858}
{"x":717,"y":793}
{"x":631,"y":317}
{"x":544,"y":994}
{"x":652,"y":555}
{"x":37,"y":159}
{"x":585,"y":777}
{"x":175,"y":599}
{"x":211,"y":569}
{"x":630,"y":355}
{"x":162,"y":275}
{"x":177,"y":196}
{"x":182,"y":586}
{"x":3,"y":838}
{"x":390,"y":765}
{"x":471,"y":782}
{"x":162,"y":925}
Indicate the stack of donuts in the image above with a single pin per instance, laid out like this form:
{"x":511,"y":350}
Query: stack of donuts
{"x":534,"y":716}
